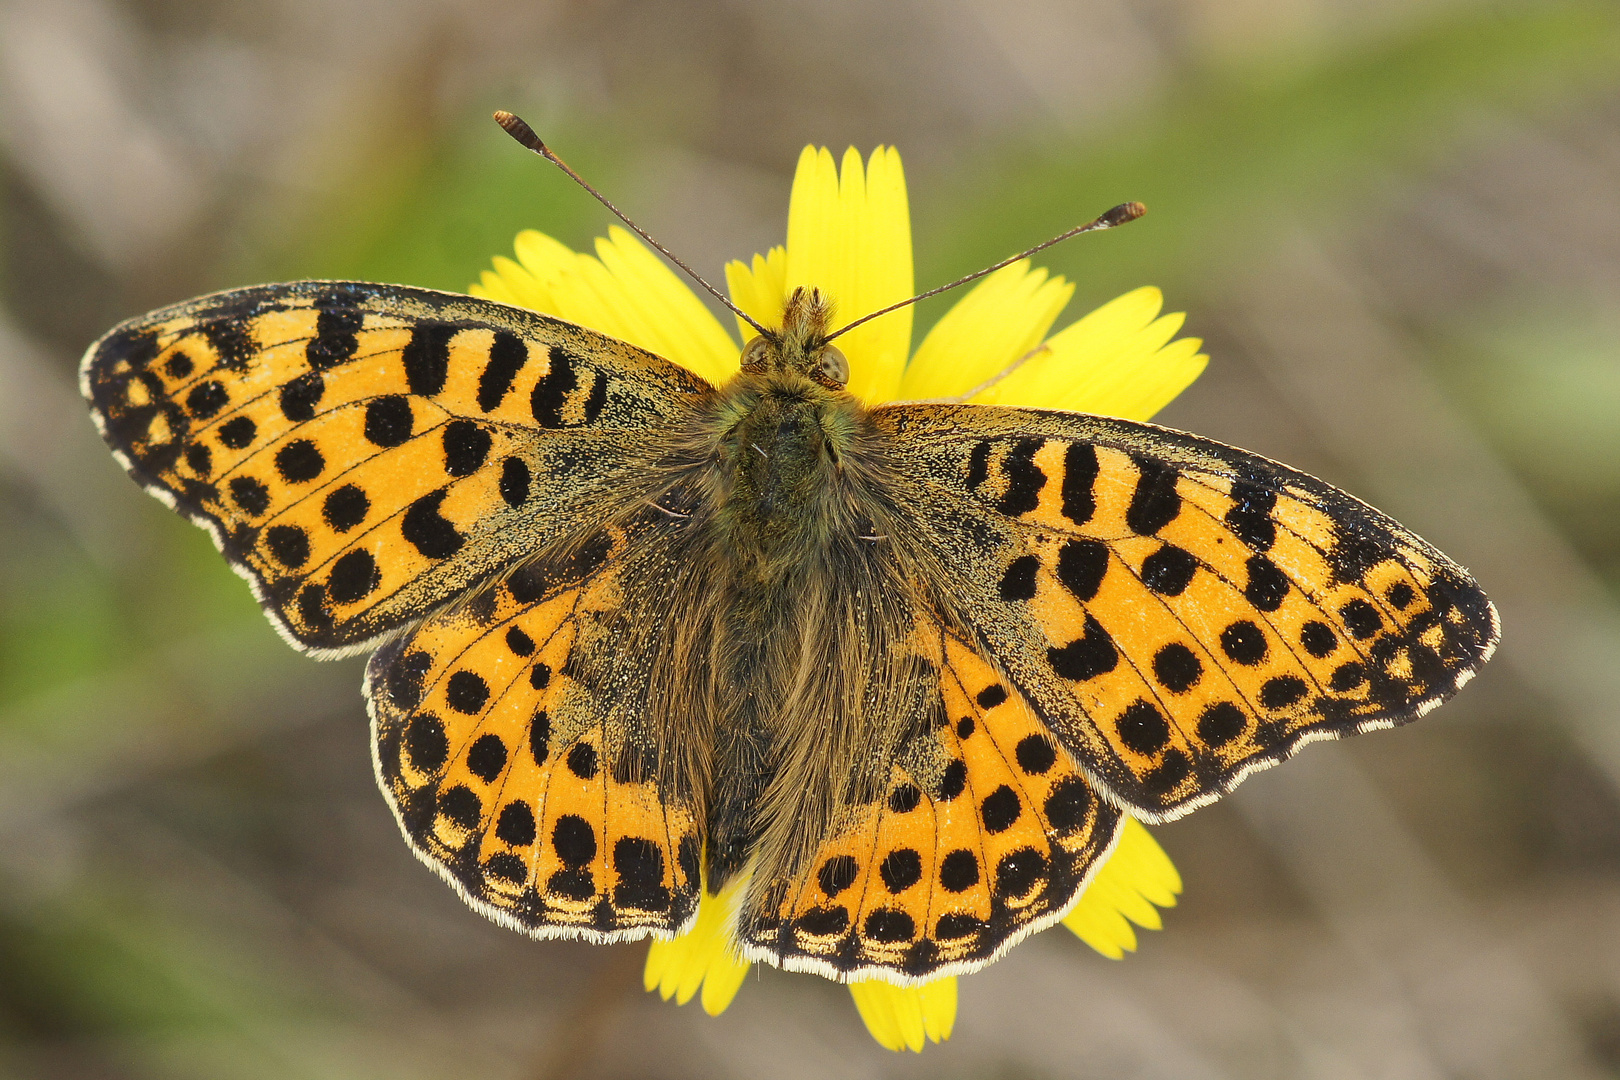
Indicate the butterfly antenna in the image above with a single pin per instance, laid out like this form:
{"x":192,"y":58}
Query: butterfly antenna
{"x":525,"y":135}
{"x":1119,"y":215}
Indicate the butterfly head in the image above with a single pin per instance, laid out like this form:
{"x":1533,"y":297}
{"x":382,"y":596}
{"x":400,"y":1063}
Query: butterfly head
{"x":800,"y":346}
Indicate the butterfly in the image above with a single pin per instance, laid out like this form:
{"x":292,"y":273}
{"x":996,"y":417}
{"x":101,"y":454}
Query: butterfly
{"x":901,"y":670}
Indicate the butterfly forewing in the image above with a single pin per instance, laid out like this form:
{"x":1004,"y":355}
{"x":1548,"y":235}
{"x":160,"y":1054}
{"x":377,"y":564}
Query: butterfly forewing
{"x":364,"y":453}
{"x":1180,"y":613}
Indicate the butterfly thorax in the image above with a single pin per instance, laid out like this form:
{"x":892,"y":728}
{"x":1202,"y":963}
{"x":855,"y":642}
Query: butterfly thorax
{"x":779,"y":467}
{"x":787,"y":425}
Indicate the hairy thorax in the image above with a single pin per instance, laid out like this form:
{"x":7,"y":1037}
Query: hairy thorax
{"x":779,"y":491}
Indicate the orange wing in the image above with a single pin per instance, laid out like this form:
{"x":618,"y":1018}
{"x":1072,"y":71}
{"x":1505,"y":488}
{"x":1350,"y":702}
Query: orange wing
{"x":362,"y":453}
{"x":988,"y":832}
{"x":1178,"y":612}
{"x":511,"y":737}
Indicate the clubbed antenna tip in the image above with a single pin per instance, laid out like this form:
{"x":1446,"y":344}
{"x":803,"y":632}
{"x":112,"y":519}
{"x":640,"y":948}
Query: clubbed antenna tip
{"x":517,"y":128}
{"x":1119,"y":215}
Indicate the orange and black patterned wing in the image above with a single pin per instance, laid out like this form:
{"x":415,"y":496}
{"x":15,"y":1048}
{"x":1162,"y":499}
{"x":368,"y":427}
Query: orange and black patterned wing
{"x":362,"y":453}
{"x":514,"y":738}
{"x":1178,"y":612}
{"x":987,"y":832}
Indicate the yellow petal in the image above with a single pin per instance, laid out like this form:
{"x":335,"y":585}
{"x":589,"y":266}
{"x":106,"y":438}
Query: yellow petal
{"x":849,"y":235}
{"x":1114,"y":361}
{"x":703,"y":957}
{"x":1001,"y":319}
{"x":511,"y":283}
{"x":626,"y":292}
{"x":901,"y":1017}
{"x":760,"y":289}
{"x":686,"y":331}
{"x":1137,"y":876}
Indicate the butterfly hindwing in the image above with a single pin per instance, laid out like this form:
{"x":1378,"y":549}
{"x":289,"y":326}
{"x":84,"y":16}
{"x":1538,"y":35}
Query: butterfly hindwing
{"x":986,"y":832}
{"x":362,"y":453}
{"x":1179,"y":612}
{"x":511,"y":737}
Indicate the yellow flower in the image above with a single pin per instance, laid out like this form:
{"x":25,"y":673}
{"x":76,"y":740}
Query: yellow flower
{"x":849,"y":234}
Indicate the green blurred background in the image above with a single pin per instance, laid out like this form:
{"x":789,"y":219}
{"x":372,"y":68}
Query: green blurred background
{"x":1395,"y":222}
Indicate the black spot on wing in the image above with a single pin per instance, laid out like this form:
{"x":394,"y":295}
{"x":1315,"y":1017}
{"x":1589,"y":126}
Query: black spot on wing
{"x":1361,"y":619}
{"x":299,"y":461}
{"x":1035,"y":754}
{"x":959,"y":871}
{"x":561,"y":385}
{"x":1018,"y":581}
{"x":507,"y":355}
{"x":1354,"y":553}
{"x":1024,"y":478}
{"x":978,"y":464}
{"x":1080,"y":467}
{"x":1143,"y":728}
{"x":237,"y":433}
{"x":1250,"y":515}
{"x":514,"y":481}
{"x":1155,"y":503}
{"x":427,"y":357}
{"x":837,"y":874}
{"x":1267,"y":586}
{"x":889,"y":925}
{"x":1081,"y":567}
{"x":1318,"y":638}
{"x":1243,"y":642}
{"x":230,"y":341}
{"x":426,"y":743}
{"x":206,"y":399}
{"x":249,"y":494}
{"x":388,"y":420}
{"x":486,"y":759}
{"x":900,"y":869}
{"x":1221,"y":722}
{"x":200,"y":458}
{"x":345,"y":507}
{"x":288,"y":545}
{"x":1177,"y":668}
{"x":428,"y":531}
{"x":466,"y":445}
{"x":354,"y":576}
{"x":574,"y":840}
{"x":582,"y":760}
{"x":466,"y":692}
{"x":639,"y":864}
{"x":1091,"y":654}
{"x":1169,"y":570}
{"x":516,"y":825}
{"x":336,"y":326}
{"x":299,"y":397}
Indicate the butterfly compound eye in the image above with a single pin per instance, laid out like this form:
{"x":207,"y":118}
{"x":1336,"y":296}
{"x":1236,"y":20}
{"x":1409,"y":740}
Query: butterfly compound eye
{"x":755,"y":353}
{"x":833,"y":368}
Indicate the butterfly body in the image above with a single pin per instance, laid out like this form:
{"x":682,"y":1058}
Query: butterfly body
{"x":805,"y":682}
{"x":901,"y":669}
